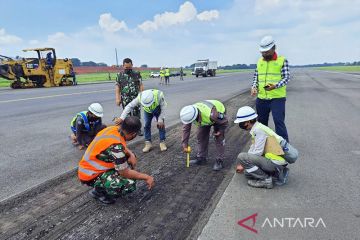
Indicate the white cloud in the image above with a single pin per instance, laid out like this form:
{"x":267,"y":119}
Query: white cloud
{"x":58,"y":37}
{"x":208,"y":15}
{"x":34,"y":42}
{"x":7,"y":38}
{"x":187,"y":12}
{"x":111,"y":24}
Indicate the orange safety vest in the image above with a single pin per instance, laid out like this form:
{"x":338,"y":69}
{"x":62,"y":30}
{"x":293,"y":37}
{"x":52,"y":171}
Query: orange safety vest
{"x":89,"y":166}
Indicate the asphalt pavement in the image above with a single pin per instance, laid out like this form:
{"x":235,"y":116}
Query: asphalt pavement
{"x":321,"y":199}
{"x":35,"y":123}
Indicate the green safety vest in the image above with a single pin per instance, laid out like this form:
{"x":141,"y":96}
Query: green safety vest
{"x":205,"y":108}
{"x":162,"y":73}
{"x":157,"y":95}
{"x":270,"y":133}
{"x":270,"y":72}
{"x":167,"y":72}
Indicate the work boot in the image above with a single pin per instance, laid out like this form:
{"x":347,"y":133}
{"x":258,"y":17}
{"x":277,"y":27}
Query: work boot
{"x":163,"y":146}
{"x":282,"y":177}
{"x":266,"y":183}
{"x":101,"y":195}
{"x":198,"y":161}
{"x":218,"y":165}
{"x":147,"y":147}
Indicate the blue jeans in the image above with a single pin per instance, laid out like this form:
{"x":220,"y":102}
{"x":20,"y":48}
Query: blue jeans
{"x":147,"y":128}
{"x":277,"y":107}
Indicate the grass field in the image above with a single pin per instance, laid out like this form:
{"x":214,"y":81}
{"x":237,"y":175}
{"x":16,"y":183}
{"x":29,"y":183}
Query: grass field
{"x":341,"y":68}
{"x":98,"y":77}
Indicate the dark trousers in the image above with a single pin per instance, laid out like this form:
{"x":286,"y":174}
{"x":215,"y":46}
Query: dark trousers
{"x":277,"y":107}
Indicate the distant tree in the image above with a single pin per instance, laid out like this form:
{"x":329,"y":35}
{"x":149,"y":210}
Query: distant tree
{"x":102,"y":64}
{"x":89,"y":64}
{"x":76,"y":62}
{"x":144,"y":66}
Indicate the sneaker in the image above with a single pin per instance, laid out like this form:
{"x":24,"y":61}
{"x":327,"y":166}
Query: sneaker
{"x":101,"y":196}
{"x":282,"y":177}
{"x":266,"y":183}
{"x":147,"y":147}
{"x":218,"y":165}
{"x":163,"y":146}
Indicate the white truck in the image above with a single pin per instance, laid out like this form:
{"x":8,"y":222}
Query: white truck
{"x":205,"y":68}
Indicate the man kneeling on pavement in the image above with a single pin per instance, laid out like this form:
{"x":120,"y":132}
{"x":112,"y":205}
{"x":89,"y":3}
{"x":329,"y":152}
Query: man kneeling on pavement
{"x":86,"y":124}
{"x":263,"y":168}
{"x":109,"y":166}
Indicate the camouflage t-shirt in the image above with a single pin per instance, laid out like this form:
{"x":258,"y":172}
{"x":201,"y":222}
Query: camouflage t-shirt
{"x":116,"y":154}
{"x":129,"y":85}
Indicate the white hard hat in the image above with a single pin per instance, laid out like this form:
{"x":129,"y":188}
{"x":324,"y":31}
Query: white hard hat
{"x":188,"y":114}
{"x":96,"y":109}
{"x":147,"y":98}
{"x":266,"y":43}
{"x":244,"y":114}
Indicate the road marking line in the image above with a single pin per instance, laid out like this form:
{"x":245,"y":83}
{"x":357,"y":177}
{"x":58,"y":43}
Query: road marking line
{"x":52,"y":96}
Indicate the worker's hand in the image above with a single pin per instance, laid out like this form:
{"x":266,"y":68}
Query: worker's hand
{"x":270,"y":87}
{"x":216,"y":134}
{"x":253,"y":91}
{"x":117,"y":121}
{"x":81,"y":147}
{"x":239,"y":168}
{"x":161,"y":125}
{"x":186,"y":149}
{"x":132,"y":160}
{"x":150,"y":182}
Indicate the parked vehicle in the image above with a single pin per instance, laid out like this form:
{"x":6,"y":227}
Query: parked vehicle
{"x":155,"y":74}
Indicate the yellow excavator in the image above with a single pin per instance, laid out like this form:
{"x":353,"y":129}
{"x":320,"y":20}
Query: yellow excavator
{"x":45,"y":70}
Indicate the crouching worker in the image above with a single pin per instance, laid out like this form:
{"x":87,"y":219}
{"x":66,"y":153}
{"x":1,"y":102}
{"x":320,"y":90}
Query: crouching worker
{"x":262,"y":168}
{"x":85,"y":125}
{"x":153,"y":102}
{"x":109,"y":166}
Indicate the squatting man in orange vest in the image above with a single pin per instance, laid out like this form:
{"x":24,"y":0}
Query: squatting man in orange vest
{"x":109,"y":166}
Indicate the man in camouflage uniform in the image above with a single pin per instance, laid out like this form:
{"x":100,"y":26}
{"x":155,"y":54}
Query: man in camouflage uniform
{"x":128,"y":86}
{"x":111,"y":172}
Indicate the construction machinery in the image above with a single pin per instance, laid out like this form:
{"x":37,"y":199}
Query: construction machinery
{"x":45,"y":70}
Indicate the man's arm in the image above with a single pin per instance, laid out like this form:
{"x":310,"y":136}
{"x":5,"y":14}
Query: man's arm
{"x":117,"y":153}
{"x":186,"y":135}
{"x":255,"y":84}
{"x":130,"y":107}
{"x":117,"y":94}
{"x":285,"y":75}
{"x":79,"y":125}
{"x":162,"y":107}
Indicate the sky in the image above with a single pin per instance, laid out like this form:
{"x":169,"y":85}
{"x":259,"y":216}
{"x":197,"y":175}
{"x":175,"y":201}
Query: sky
{"x":177,"y":33}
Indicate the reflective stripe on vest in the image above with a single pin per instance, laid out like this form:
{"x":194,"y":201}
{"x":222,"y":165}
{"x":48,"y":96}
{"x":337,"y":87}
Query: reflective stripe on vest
{"x":269,"y":132}
{"x":84,"y":117}
{"x":89,"y":166}
{"x":205,"y":108}
{"x":157,"y":95}
{"x":270,"y":72}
